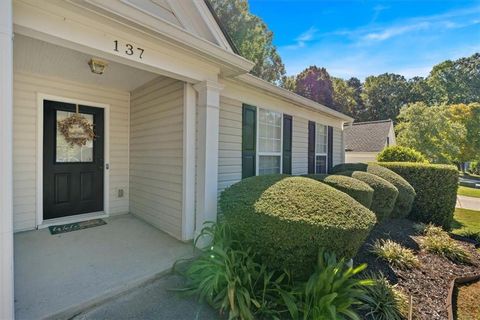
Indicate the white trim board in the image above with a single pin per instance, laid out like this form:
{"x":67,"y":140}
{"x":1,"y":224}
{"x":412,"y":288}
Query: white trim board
{"x":106,"y":172}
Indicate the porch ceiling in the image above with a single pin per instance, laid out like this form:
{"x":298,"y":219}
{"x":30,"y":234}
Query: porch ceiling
{"x":40,"y":57}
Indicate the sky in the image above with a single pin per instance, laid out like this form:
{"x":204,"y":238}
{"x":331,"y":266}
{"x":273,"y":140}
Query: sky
{"x":366,"y":37}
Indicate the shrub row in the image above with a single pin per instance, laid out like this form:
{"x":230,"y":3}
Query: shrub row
{"x":287,"y":219}
{"x":436,"y":188}
{"x":356,"y":189}
{"x":406,"y":193}
{"x":384,"y":193}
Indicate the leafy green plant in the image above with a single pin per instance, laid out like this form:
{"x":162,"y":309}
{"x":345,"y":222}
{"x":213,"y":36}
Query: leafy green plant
{"x":436,"y":188}
{"x":439,"y":242}
{"x":384,"y":193}
{"x":406,"y":193}
{"x":333,"y":290}
{"x":227,"y":276}
{"x":395,"y":254}
{"x":383,"y":300}
{"x":286,"y":219}
{"x":400,"y":154}
{"x":356,"y":189}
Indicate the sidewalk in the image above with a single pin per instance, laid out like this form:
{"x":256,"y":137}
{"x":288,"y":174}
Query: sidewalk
{"x":470,"y":203}
{"x":153,"y":301}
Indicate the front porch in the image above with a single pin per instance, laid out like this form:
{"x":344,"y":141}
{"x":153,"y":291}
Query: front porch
{"x":61,"y":275}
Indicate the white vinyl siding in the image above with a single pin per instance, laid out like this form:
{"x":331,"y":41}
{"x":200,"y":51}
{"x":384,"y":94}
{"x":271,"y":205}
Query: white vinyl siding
{"x":229,"y":143}
{"x":299,"y":146}
{"x":26,"y":87}
{"x":156,"y":151}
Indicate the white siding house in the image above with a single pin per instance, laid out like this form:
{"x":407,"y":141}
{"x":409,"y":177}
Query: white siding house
{"x":171,"y":103}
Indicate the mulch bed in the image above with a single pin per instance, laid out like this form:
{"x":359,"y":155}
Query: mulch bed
{"x":428,"y":285}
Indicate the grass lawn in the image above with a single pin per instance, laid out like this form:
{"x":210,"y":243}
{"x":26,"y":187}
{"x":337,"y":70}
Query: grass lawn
{"x":469,"y":192}
{"x":466,"y":222}
{"x":467,"y":301}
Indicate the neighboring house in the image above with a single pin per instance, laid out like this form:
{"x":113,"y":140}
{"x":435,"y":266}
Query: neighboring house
{"x":364,"y":140}
{"x":177,"y":114}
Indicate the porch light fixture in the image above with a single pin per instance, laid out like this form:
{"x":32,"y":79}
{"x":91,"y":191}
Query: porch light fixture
{"x":97,"y":66}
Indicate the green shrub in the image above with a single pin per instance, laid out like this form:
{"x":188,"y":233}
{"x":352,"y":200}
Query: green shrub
{"x":356,"y":189}
{"x":400,"y":154}
{"x":406,"y":193}
{"x":333,"y":290}
{"x":384,"y":301}
{"x":395,"y":254}
{"x":436,"y":190}
{"x":384,"y":193}
{"x":287,"y":219}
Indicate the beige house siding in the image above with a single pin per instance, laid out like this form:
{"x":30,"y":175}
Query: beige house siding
{"x":156,"y":162}
{"x":354,"y":157}
{"x":230,"y":143}
{"x":299,"y":146}
{"x":26,"y":88}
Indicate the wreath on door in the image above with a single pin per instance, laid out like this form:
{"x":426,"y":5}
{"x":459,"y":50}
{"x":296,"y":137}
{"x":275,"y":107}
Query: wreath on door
{"x":76,"y":129}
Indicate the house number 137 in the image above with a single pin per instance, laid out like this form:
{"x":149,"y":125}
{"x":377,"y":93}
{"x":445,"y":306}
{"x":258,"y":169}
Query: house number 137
{"x":130,"y":50}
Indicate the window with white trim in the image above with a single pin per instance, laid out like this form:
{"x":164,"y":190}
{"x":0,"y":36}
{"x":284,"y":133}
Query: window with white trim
{"x":321,"y":147}
{"x":269,"y":142}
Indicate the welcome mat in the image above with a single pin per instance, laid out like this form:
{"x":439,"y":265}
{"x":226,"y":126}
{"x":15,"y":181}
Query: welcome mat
{"x":69,"y":227}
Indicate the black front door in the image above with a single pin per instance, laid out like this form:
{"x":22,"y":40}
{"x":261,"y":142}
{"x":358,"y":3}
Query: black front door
{"x":72,"y":175}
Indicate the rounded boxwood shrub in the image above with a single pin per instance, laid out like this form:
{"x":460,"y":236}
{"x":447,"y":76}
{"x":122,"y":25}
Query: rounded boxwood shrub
{"x":286,"y":220}
{"x":401,"y":154}
{"x":406,"y":193}
{"x":384,"y":193}
{"x":436,"y":188}
{"x":356,"y":189}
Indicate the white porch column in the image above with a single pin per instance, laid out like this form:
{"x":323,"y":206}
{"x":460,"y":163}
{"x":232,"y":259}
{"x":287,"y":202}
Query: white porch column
{"x":189,"y":137}
{"x":6,"y":170}
{"x":208,"y":108}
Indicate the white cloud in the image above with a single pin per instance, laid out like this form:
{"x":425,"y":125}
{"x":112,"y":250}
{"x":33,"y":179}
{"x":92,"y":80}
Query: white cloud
{"x":390,"y":32}
{"x":303,"y":38}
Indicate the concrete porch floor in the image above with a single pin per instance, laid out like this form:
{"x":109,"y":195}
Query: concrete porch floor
{"x":60,"y":275}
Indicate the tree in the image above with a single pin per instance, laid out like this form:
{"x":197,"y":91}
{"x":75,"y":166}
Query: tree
{"x":419,"y":90}
{"x":252,"y":37}
{"x":445,"y":134}
{"x":314,"y":83}
{"x":468,"y":116}
{"x":456,"y":81}
{"x":384,"y":95}
{"x":343,"y":97}
{"x":289,"y":83}
{"x":359,"y":110}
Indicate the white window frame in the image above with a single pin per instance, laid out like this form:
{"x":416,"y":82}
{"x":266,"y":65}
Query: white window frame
{"x":257,"y":149}
{"x":317,"y":153}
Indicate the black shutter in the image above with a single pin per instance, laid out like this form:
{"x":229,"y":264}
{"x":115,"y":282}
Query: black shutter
{"x":311,"y":147}
{"x":330,"y":149}
{"x":287,"y":144}
{"x":249,"y":139}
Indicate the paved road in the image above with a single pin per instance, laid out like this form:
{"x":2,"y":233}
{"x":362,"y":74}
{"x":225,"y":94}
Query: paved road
{"x":471,"y":203}
{"x":154,"y":301}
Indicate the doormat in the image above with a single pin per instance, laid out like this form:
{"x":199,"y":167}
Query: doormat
{"x":69,"y":227}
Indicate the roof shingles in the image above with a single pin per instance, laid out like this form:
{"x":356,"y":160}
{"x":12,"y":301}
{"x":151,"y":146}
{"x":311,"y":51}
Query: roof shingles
{"x":367,"y":136}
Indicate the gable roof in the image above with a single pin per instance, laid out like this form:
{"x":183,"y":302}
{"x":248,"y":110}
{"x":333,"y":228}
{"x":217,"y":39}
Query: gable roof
{"x":222,"y":27}
{"x":368,"y":136}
